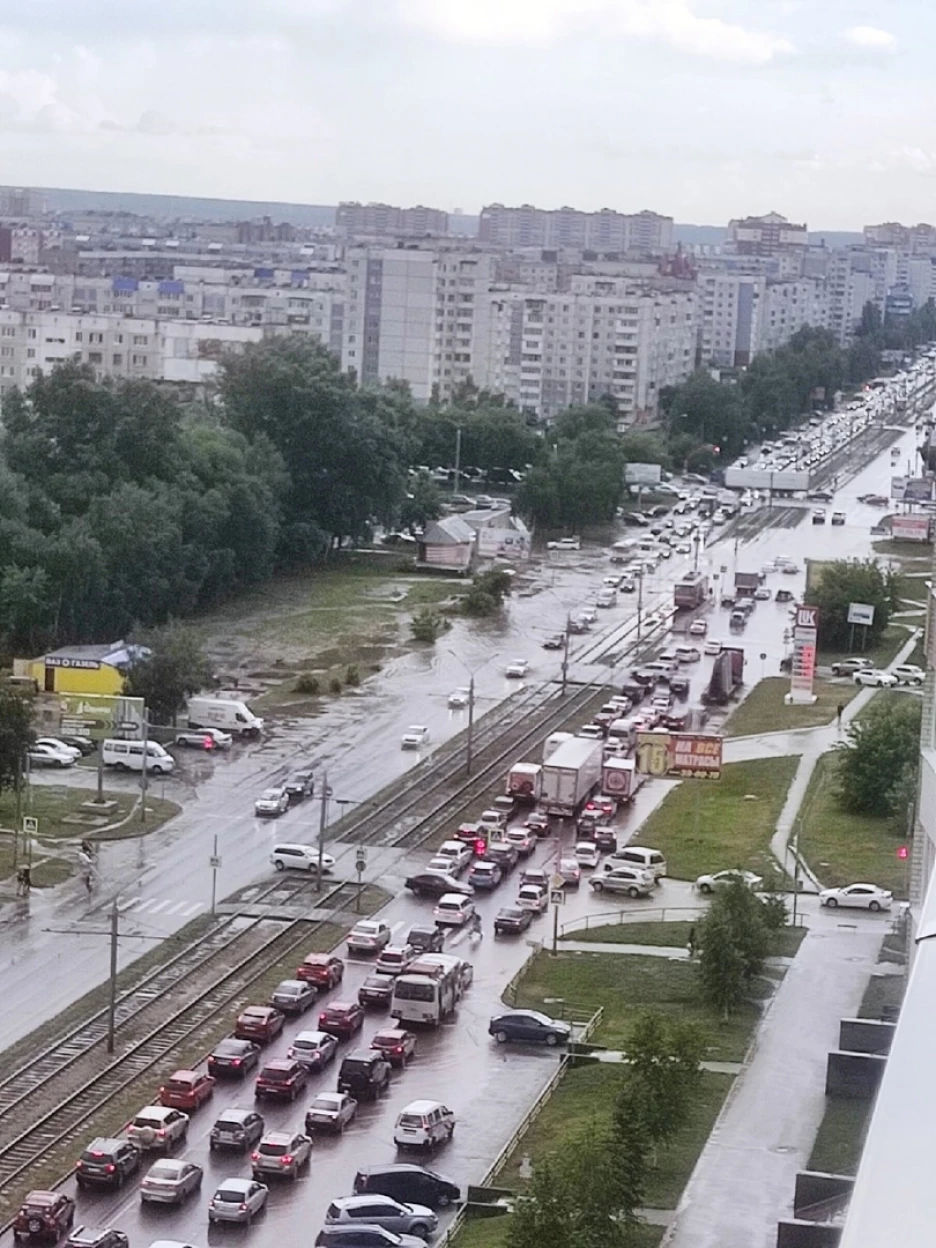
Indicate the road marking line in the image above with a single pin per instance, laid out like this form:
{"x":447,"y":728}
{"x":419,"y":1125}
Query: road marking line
{"x":159,"y":905}
{"x":124,"y":906}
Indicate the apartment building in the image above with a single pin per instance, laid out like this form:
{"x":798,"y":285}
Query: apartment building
{"x":850,"y":285}
{"x":729,"y":317}
{"x":786,"y":307}
{"x":604,"y":231}
{"x":353,"y":220}
{"x":765,"y":236}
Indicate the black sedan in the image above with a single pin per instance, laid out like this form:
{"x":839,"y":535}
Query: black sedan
{"x":511,"y":920}
{"x":300,"y":784}
{"x":232,"y":1058}
{"x":427,"y":884}
{"x":529,"y":1027}
{"x":376,"y":990}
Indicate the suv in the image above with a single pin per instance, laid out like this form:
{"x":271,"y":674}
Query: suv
{"x":848,"y":667}
{"x":236,"y":1129}
{"x":633,"y":881}
{"x":382,"y":1211}
{"x":282,"y":1078}
{"x":107,"y":1162}
{"x":364,"y":1074}
{"x":280,"y":1152}
{"x":413,"y":1185}
{"x":426,"y":938}
{"x":909,"y":674}
{"x":44,"y":1215}
{"x":158,"y":1127}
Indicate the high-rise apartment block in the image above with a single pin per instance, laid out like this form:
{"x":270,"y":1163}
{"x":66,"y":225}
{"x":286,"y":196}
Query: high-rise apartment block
{"x":382,"y":220}
{"x":604,"y":231}
{"x":765,"y":236}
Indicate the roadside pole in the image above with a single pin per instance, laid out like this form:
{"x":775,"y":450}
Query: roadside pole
{"x":144,"y":774}
{"x":469,"y":745}
{"x":565,"y":654}
{"x":112,"y":982}
{"x":323,"y":821}
{"x":214,"y":862}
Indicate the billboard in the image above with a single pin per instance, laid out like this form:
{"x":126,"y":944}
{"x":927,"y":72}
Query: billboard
{"x":861,"y":613}
{"x":805,"y":635}
{"x":680,"y":755}
{"x":912,"y":489}
{"x":504,"y":543}
{"x":764,"y":479}
{"x":642,"y":474}
{"x":99,"y":715}
{"x":910,"y":528}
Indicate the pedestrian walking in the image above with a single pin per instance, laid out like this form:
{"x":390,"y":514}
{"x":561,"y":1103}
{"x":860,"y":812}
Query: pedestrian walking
{"x":89,"y":881}
{"x":692,"y":942}
{"x":838,"y":715}
{"x":23,"y":881}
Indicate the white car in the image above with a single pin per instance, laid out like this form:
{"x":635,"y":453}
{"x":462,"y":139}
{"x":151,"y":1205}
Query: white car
{"x":158,"y":1127}
{"x":49,"y":756}
{"x":713,"y":647}
{"x":416,"y":736}
{"x":204,"y":738}
{"x":606,"y":598}
{"x":719,"y":879}
{"x":565,"y":543}
{"x":459,"y":698}
{"x":368,"y":936}
{"x":299,"y":857}
{"x":272,"y":802}
{"x":588,"y":615}
{"x":876,"y":678}
{"x":532,"y":897}
{"x":857,"y":897}
{"x":587,"y":854}
{"x":56,"y":744}
{"x":762,"y":593}
{"x":517,"y":669}
{"x":698,"y":628}
{"x":909,"y":674}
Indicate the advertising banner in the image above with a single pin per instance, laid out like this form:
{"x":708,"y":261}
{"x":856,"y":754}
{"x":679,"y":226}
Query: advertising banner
{"x":861,"y":613}
{"x":680,"y":755}
{"x":912,"y":489}
{"x":99,"y":715}
{"x":910,"y":528}
{"x":805,"y":635}
{"x":642,"y":474}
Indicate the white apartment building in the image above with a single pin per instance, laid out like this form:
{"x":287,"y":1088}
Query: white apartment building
{"x":606,"y":230}
{"x":729,"y":317}
{"x":849,"y":289}
{"x":786,"y":307}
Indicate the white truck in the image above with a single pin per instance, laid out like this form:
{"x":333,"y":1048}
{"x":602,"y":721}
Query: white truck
{"x":620,"y":778}
{"x":570,"y":775}
{"x":524,"y":782}
{"x":225,"y":713}
{"x":553,"y":741}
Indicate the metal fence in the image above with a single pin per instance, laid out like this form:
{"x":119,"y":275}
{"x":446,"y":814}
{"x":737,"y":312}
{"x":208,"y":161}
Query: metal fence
{"x":661,"y":914}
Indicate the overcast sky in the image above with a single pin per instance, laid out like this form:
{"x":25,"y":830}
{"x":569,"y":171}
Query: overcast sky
{"x":823,"y":110}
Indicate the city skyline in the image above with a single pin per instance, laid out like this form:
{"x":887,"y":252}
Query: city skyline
{"x":697,"y":112}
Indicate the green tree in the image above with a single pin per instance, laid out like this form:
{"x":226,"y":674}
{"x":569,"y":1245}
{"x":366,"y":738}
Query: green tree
{"x":743,"y":912}
{"x":487,"y":592}
{"x":174,"y":670}
{"x":26,"y":607}
{"x":423,"y":502}
{"x":879,"y":756}
{"x":843,"y":582}
{"x":428,"y":625}
{"x":721,"y":966}
{"x":16,"y":735}
{"x":662,"y":1076}
{"x":544,"y":1217}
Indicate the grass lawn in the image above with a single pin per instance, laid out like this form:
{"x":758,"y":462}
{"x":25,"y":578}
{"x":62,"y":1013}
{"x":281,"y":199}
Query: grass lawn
{"x":711,"y":827}
{"x":783,"y":944}
{"x":763,"y":710}
{"x":840,"y":1138}
{"x":625,"y":984}
{"x":915,"y":588}
{"x":492,"y":1233}
{"x":841,"y":848}
{"x":880,"y":655}
{"x":882,"y":990}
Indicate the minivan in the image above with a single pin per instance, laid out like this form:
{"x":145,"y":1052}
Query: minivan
{"x":453,"y":909}
{"x":300,"y":857}
{"x":638,"y":856}
{"x":413,"y":1185}
{"x":423,"y":1124}
{"x":128,"y":756}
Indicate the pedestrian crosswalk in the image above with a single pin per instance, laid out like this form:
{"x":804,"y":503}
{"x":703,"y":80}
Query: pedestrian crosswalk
{"x":156,"y":905}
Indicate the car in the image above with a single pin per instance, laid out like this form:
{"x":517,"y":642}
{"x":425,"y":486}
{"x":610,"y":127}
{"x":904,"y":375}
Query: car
{"x":838,"y":517}
{"x":232,"y":1058}
{"x":569,"y":872}
{"x":555,"y":641}
{"x":187,"y":1089}
{"x":565,"y":543}
{"x":537,"y":821}
{"x":532,"y":897}
{"x":382,"y":1211}
{"x":762,"y":593}
{"x":512,"y":921}
{"x":790,"y":569}
{"x":97,"y":1237}
{"x":281,"y":1153}
{"x":485,"y":875}
{"x":459,"y":698}
{"x":468,"y":833}
{"x":453,"y":910}
{"x":206,"y":739}
{"x":237,"y":1200}
{"x":396,"y":1044}
{"x":632,"y":881}
{"x":713,"y":647}
{"x":457,"y":853}
{"x":820,"y":496}
{"x":698,"y":628}
{"x":372,"y":1235}
{"x":272,"y":802}
{"x":300,"y":784}
{"x":606,"y":598}
{"x":342,"y":1019}
{"x":818,"y":516}
{"x":848,"y":667}
{"x":783,"y":595}
{"x":364,"y":1074}
{"x":44,"y":1216}
{"x":523,"y":841}
{"x":85,"y":746}
{"x":106,"y":1162}
{"x":394,"y":959}
{"x":435,"y":883}
{"x":875,"y":677}
{"x":586,"y":854}
{"x":368,"y":936}
{"x":170,"y":1181}
{"x":426,"y":938}
{"x":236,"y":1130}
{"x":375,"y":990}
{"x":423,"y":1124}
{"x":504,"y":854}
{"x":330,"y":1111}
{"x":50,"y":756}
{"x":158,"y":1127}
{"x":517,"y":669}
{"x":683,"y":548}
{"x":721,"y":879}
{"x":313,"y":1049}
{"x":293,"y":996}
{"x":908,"y":674}
{"x":56,"y":743}
{"x":325,"y":970}
{"x":298,"y":857}
{"x":415,"y":737}
{"x":281,"y":1078}
{"x":529,"y":1027}
{"x":260,"y":1023}
{"x":857,"y":897}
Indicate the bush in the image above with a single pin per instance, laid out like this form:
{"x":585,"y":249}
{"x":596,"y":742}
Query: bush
{"x":428,"y":625}
{"x":352,"y":675}
{"x":309,"y":684}
{"x":334,"y":685}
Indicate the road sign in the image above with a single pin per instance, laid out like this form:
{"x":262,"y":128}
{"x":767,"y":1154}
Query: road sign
{"x":557,"y":896}
{"x":214,"y":861}
{"x":360,"y":862}
{"x":30,"y":825}
{"x":805,"y":636}
{"x":557,"y":881}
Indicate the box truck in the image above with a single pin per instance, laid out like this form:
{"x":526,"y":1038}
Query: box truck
{"x":620,"y":778}
{"x":224,"y":713}
{"x":570,"y":775}
{"x":553,"y":741}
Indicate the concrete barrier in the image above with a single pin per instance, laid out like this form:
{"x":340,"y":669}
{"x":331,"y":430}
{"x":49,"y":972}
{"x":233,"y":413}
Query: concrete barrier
{"x":865,"y":1035}
{"x":856,"y":1076}
{"x":794,"y":1234}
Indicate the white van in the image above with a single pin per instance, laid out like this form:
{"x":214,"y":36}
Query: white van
{"x":128,"y":756}
{"x":453,"y":910}
{"x":638,"y":856}
{"x":423,"y":1124}
{"x":225,"y":713}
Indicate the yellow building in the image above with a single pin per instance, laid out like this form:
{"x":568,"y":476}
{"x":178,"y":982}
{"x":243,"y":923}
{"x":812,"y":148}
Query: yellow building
{"x":84,"y":669}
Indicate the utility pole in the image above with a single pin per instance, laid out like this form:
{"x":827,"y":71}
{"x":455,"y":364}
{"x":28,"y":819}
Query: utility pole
{"x":457,"y":458}
{"x":640,"y":581}
{"x":469,"y":757}
{"x":323,"y":822}
{"x":565,"y":654}
{"x":144,"y":774}
{"x":112,"y":982}
{"x":215,"y":863}
{"x":18,"y":782}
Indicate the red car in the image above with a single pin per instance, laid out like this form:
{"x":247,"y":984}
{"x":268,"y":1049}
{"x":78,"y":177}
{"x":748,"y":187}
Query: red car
{"x":282,"y":1078}
{"x":187,"y":1089}
{"x":468,"y":833}
{"x":342,"y":1019}
{"x":44,"y":1216}
{"x":260,"y":1023}
{"x":322,"y":969}
{"x":396,"y":1044}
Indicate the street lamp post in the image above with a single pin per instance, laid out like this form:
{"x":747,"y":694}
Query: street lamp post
{"x":469,"y":744}
{"x":565,"y":653}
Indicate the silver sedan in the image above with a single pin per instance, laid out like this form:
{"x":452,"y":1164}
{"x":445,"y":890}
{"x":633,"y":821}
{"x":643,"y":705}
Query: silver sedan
{"x":237,"y":1200}
{"x":170,"y":1181}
